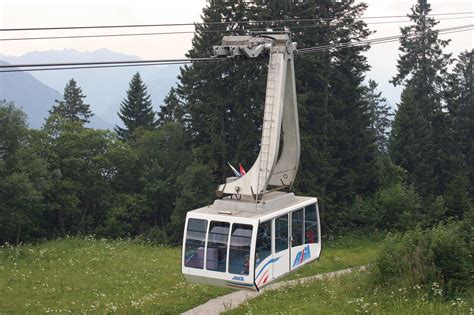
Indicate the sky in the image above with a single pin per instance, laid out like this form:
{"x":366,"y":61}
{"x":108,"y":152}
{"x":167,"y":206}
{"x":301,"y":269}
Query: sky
{"x":47,"y":13}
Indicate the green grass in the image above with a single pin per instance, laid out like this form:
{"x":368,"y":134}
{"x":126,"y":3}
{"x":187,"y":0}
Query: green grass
{"x":340,"y":253}
{"x":351,"y":294}
{"x":101,"y":276}
{"x":86,"y":275}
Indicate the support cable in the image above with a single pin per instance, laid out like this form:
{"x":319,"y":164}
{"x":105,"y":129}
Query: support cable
{"x":192,"y":32}
{"x":383,"y":39}
{"x":115,"y":64}
{"x":214,"y":23}
{"x":131,"y":62}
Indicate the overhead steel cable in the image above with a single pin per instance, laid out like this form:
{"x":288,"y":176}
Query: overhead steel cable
{"x":101,"y":35}
{"x":108,"y":66}
{"x":386,"y":41}
{"x":374,"y":41}
{"x":192,"y":32}
{"x":105,"y":63}
{"x":368,"y":42}
{"x":213,"y":23}
{"x":383,"y":39}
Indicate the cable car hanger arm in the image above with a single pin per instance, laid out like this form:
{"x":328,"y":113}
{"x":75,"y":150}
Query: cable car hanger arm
{"x":280,"y":115}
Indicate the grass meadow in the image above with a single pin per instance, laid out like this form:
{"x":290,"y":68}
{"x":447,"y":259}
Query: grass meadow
{"x":353,"y":294}
{"x":96,"y":276}
{"x":90,"y":276}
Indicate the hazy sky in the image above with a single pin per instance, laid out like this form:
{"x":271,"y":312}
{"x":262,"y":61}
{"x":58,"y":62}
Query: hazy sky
{"x":44,"y":13}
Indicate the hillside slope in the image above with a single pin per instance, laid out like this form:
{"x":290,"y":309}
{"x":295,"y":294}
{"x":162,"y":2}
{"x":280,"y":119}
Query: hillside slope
{"x":33,"y":96}
{"x":105,"y":87}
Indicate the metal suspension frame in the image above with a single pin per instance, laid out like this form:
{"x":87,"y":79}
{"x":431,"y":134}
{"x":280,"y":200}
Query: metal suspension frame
{"x":280,"y":116}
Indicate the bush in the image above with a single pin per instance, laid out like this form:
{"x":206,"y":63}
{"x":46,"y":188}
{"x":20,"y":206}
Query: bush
{"x":155,"y":236}
{"x":438,"y":259}
{"x":396,"y":207}
{"x":127,"y":218}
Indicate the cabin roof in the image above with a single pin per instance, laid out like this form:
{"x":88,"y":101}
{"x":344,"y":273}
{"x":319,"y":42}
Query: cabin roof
{"x":271,"y":205}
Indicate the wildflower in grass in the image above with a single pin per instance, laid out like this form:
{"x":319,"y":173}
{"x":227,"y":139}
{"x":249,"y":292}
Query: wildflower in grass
{"x":458,"y":302}
{"x":437,"y":291}
{"x":417,"y":287}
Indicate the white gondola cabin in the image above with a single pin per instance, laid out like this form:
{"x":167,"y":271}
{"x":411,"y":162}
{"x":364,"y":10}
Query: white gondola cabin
{"x":229,"y":244}
{"x":256,"y":232}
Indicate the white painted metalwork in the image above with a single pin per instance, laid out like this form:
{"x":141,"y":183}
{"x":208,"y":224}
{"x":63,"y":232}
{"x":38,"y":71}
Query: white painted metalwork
{"x":280,"y":115}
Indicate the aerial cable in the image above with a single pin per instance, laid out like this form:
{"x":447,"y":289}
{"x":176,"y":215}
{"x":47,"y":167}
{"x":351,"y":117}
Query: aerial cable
{"x":370,"y":23}
{"x":369,"y":42}
{"x":387,"y":38}
{"x":214,"y":23}
{"x":101,"y":35}
{"x":192,"y":32}
{"x":375,"y":41}
{"x":105,"y":63}
{"x":106,"y":66}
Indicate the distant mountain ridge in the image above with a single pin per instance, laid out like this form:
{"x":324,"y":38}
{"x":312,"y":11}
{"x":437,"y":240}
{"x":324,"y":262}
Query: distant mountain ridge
{"x":105,"y":88}
{"x":33,"y":96}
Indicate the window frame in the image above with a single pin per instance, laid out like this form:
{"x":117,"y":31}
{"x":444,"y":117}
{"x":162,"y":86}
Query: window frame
{"x":250,"y":245}
{"x":204,"y":243}
{"x":293,"y":227}
{"x":226,"y":244}
{"x":269,"y":245}
{"x":315,"y":226}
{"x":287,"y":232}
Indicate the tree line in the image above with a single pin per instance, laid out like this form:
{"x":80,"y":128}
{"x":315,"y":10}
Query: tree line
{"x":369,"y":168}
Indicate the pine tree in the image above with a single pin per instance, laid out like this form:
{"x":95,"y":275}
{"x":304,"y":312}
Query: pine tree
{"x":458,"y":202}
{"x":172,"y":109}
{"x":222,"y":101}
{"x":379,"y":112}
{"x":136,"y":109}
{"x":422,"y":60}
{"x":338,"y":150}
{"x":411,"y":138}
{"x":460,"y":103}
{"x":422,"y":68}
{"x":72,"y":108}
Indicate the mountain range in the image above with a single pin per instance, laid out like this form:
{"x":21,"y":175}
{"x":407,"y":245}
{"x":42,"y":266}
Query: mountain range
{"x":105,"y":88}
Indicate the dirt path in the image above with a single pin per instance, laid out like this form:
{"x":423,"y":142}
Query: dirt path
{"x":234,"y":299}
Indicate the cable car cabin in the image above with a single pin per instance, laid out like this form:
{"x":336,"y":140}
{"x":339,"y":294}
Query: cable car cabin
{"x":257,"y":233}
{"x":246,"y":245}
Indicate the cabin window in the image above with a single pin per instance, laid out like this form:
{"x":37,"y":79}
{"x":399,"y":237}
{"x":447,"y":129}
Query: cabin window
{"x":297,"y":228}
{"x":216,"y":258}
{"x":195,"y":240}
{"x":264,"y":242}
{"x":281,"y":233}
{"x":239,"y":254}
{"x":310,"y":225}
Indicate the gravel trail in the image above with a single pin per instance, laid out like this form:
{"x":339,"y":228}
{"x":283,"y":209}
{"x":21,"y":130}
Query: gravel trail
{"x":234,"y":299}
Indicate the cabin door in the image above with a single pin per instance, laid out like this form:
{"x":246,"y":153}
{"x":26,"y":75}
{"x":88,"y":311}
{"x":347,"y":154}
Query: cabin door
{"x":280,"y":245}
{"x":297,"y":236}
